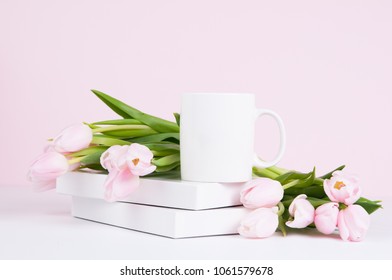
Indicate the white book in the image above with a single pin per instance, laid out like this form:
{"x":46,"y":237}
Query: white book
{"x":170,"y":222}
{"x":159,"y":192}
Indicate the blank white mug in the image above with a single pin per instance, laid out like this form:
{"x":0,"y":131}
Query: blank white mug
{"x":217,"y":133}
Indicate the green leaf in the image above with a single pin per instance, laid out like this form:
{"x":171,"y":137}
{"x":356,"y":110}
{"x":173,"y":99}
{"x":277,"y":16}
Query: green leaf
{"x":127,"y":111}
{"x":167,"y":168}
{"x":157,"y":138}
{"x":178,"y":118}
{"x":171,"y":174}
{"x":316,"y":202}
{"x":163,"y":153}
{"x":117,"y":122}
{"x":162,"y":146}
{"x":108,"y":141}
{"x":95,"y":166}
{"x":91,"y":159}
{"x":167,"y":160}
{"x":125,"y":131}
{"x":89,"y":150}
{"x":313,"y":190}
{"x":282,"y":226}
{"x":293,"y":175}
{"x":264,"y":172}
{"x":308,"y":181}
{"x":117,"y":107}
{"x":122,"y":127}
{"x":131,"y":133}
{"x":287,"y":199}
{"x":369,"y":205}
{"x":329,"y":174}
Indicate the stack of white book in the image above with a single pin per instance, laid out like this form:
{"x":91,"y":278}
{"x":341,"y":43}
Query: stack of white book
{"x":171,"y":208}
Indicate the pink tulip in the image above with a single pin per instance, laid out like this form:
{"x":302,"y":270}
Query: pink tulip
{"x":326,"y":217}
{"x":342,"y":187}
{"x":353,"y":223}
{"x":119,"y":184}
{"x":46,"y":168}
{"x":73,"y":138}
{"x":139,"y":160}
{"x":125,"y":164}
{"x":260,"y":223}
{"x":302,"y":211}
{"x":261,"y":192}
{"x":115,"y":157}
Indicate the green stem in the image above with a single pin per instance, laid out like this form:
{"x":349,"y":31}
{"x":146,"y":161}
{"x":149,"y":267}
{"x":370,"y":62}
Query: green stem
{"x":108,"y":141}
{"x":290,"y":184}
{"x":318,"y":181}
{"x":278,"y":170}
{"x":122,"y":127}
{"x":167,"y":160}
{"x":281,"y":209}
{"x":281,"y":224}
{"x":88,"y":151}
{"x":75,"y":160}
{"x":342,"y":206}
{"x":264,"y":172}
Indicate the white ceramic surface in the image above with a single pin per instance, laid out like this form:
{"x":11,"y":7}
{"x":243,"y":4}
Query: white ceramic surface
{"x":217,"y":137}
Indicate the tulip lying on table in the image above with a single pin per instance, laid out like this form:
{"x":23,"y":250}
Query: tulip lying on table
{"x":329,"y":202}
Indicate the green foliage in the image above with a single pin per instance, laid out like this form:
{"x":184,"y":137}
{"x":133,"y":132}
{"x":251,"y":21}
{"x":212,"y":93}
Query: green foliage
{"x":329,"y":174}
{"x":128,"y":112}
{"x":369,"y":205}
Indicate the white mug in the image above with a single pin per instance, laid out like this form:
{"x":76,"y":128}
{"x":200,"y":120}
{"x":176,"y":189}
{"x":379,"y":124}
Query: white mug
{"x":217,"y":137}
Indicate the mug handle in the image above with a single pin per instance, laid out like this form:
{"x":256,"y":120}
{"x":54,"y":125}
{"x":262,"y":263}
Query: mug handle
{"x":263,"y":164}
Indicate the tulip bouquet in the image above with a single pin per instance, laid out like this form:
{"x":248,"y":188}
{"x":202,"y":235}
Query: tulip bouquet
{"x":140,"y":144}
{"x":136,"y":145}
{"x":290,"y":199}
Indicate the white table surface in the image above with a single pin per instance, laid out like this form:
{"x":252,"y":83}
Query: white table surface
{"x":40,"y":226}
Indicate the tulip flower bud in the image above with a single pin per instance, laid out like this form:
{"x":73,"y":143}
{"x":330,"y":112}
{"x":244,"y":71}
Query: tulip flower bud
{"x":73,"y":138}
{"x":261,"y":192}
{"x":326,"y":217}
{"x":302,"y":211}
{"x":259,"y":223}
{"x":342,"y":187}
{"x":45,"y":170}
{"x":353,"y":223}
{"x":125,"y":164}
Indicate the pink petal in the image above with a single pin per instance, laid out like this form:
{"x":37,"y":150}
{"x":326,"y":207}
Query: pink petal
{"x":261,"y":192}
{"x":73,"y":138}
{"x":259,"y":223}
{"x":326,"y":217}
{"x":141,"y":170}
{"x":353,"y":223}
{"x":303,"y":212}
{"x":328,"y":185}
{"x":108,"y":185}
{"x":124,"y":184}
{"x":48,"y":167}
{"x":343,"y":229}
{"x":141,"y":152}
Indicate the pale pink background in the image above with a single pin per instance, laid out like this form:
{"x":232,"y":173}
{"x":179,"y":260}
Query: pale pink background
{"x":325,"y":67}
